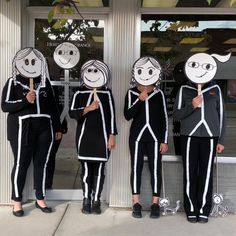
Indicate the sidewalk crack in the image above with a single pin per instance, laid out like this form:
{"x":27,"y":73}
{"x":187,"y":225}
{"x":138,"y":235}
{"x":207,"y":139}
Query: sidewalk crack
{"x":62,"y":217}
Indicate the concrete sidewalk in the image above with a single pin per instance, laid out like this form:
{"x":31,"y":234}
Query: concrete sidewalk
{"x":67,"y":220}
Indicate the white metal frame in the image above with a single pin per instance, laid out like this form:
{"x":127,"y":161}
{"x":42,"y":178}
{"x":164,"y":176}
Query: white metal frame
{"x":188,"y":11}
{"x":42,"y":13}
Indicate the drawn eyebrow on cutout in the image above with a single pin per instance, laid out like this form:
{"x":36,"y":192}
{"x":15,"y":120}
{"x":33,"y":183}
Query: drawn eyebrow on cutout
{"x":139,"y":67}
{"x":151,"y":67}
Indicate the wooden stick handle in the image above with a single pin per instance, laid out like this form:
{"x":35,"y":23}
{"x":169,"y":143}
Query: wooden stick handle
{"x":31,"y":84}
{"x":199,"y":89}
{"x":95,"y":94}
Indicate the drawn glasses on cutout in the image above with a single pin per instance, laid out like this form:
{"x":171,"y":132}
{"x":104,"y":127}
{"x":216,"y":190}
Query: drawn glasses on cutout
{"x":205,"y":66}
{"x":68,"y":52}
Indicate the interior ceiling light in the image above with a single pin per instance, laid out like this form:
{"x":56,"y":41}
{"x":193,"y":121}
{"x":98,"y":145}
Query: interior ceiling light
{"x":98,"y":39}
{"x":203,"y":49}
{"x":90,"y":3}
{"x":149,"y":40}
{"x":191,"y":40}
{"x":162,"y":49}
{"x":230,"y":41}
{"x":155,"y":3}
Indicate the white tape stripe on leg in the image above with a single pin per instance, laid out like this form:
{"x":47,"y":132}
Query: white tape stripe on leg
{"x":187,"y":174}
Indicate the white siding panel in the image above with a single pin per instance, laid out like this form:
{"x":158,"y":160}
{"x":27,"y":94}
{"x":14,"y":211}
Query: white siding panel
{"x":10,"y":42}
{"x":122,"y":57}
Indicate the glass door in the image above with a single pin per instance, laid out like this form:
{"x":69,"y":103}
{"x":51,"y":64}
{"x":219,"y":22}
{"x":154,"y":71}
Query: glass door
{"x":174,"y":38}
{"x":88,"y":35}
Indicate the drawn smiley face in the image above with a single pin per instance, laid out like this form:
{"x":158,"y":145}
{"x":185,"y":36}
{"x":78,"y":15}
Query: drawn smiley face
{"x":30,"y":66}
{"x":93,"y":77}
{"x":66,"y":55}
{"x":200,"y":68}
{"x":147,"y":74}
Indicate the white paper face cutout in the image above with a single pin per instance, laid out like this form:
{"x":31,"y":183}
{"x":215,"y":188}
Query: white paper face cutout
{"x":29,"y":66}
{"x":95,"y":74}
{"x":66,"y":55}
{"x":146,"y":71}
{"x":200,"y":68}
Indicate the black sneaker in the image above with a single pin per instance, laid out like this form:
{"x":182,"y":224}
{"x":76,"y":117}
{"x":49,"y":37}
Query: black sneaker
{"x":96,"y":207}
{"x":155,"y":211}
{"x":192,"y":218}
{"x":137,"y":211}
{"x":202,"y":219}
{"x":86,"y":208}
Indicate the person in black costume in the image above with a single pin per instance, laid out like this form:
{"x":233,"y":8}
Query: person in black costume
{"x":145,"y":105}
{"x":66,"y":56}
{"x":200,"y":108}
{"x":93,"y":108}
{"x":180,"y":79}
{"x":55,"y":74}
{"x":56,"y":144}
{"x":32,"y":121}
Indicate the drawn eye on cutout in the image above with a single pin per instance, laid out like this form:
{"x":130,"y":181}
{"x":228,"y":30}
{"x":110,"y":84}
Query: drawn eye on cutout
{"x":207,"y":66}
{"x":193,"y":64}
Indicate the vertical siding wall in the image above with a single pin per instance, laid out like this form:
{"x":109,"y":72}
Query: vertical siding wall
{"x":122,"y":55}
{"x":10,"y":42}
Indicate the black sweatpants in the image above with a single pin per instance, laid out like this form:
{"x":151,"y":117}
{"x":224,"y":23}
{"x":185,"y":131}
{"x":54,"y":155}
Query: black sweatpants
{"x":198,"y":158}
{"x":51,"y":164}
{"x":38,"y":148}
{"x":137,"y":151}
{"x":92,"y":179}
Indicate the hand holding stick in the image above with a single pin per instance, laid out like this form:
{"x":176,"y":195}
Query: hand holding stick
{"x":143,"y":95}
{"x":31,"y":94}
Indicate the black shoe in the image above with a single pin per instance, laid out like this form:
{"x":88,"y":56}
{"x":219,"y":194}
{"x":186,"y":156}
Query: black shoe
{"x":155,"y":211}
{"x":43,"y":209}
{"x":19,"y":213}
{"x":86,"y":208}
{"x":192,"y":218}
{"x":96,"y":207}
{"x":202,"y":219}
{"x":137,"y":211}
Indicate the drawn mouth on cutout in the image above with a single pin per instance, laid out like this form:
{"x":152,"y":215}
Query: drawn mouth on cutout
{"x":92,"y":81}
{"x":65,"y":63}
{"x":33,"y":72}
{"x":147,"y":78}
{"x":201,"y":75}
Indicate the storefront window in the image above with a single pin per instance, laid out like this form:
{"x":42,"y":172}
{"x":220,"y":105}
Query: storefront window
{"x":88,"y":36}
{"x":189,"y":3}
{"x":82,"y":3}
{"x":174,"y":38}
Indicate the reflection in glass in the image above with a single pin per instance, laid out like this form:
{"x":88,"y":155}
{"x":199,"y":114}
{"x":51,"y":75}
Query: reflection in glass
{"x":188,"y":3}
{"x":88,"y":37}
{"x":82,"y":3}
{"x":172,"y":39}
